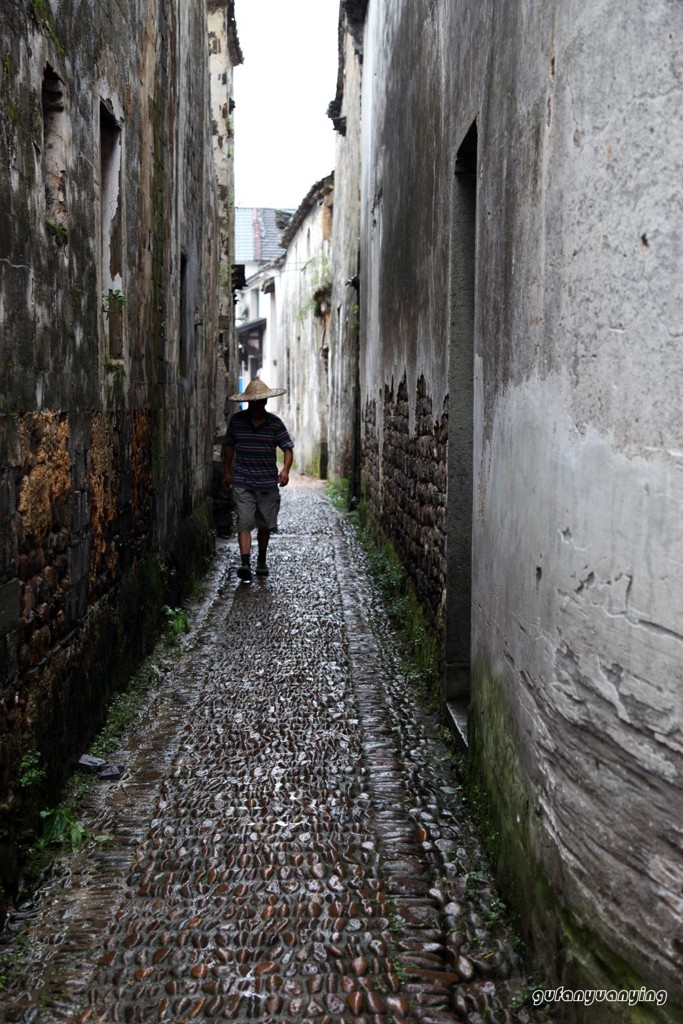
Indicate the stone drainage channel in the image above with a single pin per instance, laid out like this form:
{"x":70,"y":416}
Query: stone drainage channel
{"x":288,"y":841}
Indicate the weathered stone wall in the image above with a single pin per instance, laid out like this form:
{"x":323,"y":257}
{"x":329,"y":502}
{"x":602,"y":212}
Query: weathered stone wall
{"x":569,"y":387}
{"x":345,"y":411}
{"x":108,"y":278}
{"x":224,"y":55}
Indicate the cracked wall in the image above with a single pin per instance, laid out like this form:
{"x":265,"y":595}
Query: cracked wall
{"x":576,"y":595}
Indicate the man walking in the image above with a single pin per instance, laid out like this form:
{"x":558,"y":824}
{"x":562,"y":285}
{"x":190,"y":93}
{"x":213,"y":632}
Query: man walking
{"x":250,"y":469}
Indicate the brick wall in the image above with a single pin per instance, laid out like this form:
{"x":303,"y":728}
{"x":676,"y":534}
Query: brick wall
{"x":408,"y":484}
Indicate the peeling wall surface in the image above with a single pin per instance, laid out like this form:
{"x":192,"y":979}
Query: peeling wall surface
{"x":570,"y":386}
{"x":108,"y":278}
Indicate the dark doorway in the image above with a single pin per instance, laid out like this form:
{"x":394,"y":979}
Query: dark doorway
{"x":461,"y":423}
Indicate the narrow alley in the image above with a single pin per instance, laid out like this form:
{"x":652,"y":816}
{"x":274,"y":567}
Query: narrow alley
{"x":289,"y":839}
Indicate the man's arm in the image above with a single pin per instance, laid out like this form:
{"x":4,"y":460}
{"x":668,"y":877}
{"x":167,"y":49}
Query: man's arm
{"x":283,"y":477}
{"x":228,"y":456}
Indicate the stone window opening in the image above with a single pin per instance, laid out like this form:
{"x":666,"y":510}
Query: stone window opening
{"x":111,"y":228}
{"x":53,"y":156}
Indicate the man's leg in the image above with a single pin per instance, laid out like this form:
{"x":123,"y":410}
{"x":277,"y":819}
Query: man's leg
{"x":245,"y":506}
{"x":262,"y":537}
{"x":268,"y":506}
{"x":244,"y":541}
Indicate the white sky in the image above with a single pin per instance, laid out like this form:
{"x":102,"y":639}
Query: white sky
{"x":284,"y":141}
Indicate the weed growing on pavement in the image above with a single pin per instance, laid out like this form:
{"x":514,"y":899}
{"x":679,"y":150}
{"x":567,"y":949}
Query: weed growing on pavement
{"x":473,"y":882}
{"x":524,"y":995}
{"x":124,"y":711}
{"x":79,"y":786}
{"x":494,"y":913}
{"x":60,"y":828}
{"x":337,"y":492}
{"x":31,"y":772}
{"x":419,"y":647}
{"x":393,"y":930}
{"x":18,"y":948}
{"x":5,"y":970}
{"x":176,"y":621}
{"x":399,"y":969}
{"x":444,"y":734}
{"x":394,"y":919}
{"x":393,"y":954}
{"x":478,"y":805}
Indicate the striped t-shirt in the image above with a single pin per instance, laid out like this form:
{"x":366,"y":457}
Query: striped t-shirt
{"x":255,"y":461}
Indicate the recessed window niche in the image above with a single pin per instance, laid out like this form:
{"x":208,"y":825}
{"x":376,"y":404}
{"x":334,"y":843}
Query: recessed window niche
{"x":53,"y":157}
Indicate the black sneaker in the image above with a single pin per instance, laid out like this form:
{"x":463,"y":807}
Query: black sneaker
{"x":261,"y":567}
{"x":244,"y":573}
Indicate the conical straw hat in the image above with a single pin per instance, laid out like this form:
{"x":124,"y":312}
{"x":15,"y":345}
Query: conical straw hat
{"x":255,"y":391}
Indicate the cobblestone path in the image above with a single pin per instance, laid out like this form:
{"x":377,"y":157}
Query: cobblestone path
{"x":289,"y":841}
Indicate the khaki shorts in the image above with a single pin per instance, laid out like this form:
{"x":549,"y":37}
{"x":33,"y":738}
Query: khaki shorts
{"x":256,"y":509}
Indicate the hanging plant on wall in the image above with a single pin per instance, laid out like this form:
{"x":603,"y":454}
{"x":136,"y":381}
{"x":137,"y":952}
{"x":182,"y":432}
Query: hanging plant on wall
{"x":113,"y":301}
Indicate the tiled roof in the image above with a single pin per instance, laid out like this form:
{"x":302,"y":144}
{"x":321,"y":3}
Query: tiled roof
{"x":314,"y":195}
{"x":257,"y":233}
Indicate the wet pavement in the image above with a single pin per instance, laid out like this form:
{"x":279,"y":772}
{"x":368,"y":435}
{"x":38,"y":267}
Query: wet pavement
{"x":289,"y":840}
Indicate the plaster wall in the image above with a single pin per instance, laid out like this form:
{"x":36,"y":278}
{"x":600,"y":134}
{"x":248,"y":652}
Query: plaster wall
{"x":576,"y":598}
{"x":303,"y":334}
{"x":272,"y":367}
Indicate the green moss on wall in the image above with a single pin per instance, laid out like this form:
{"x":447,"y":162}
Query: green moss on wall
{"x":43,"y":15}
{"x":529,"y":871}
